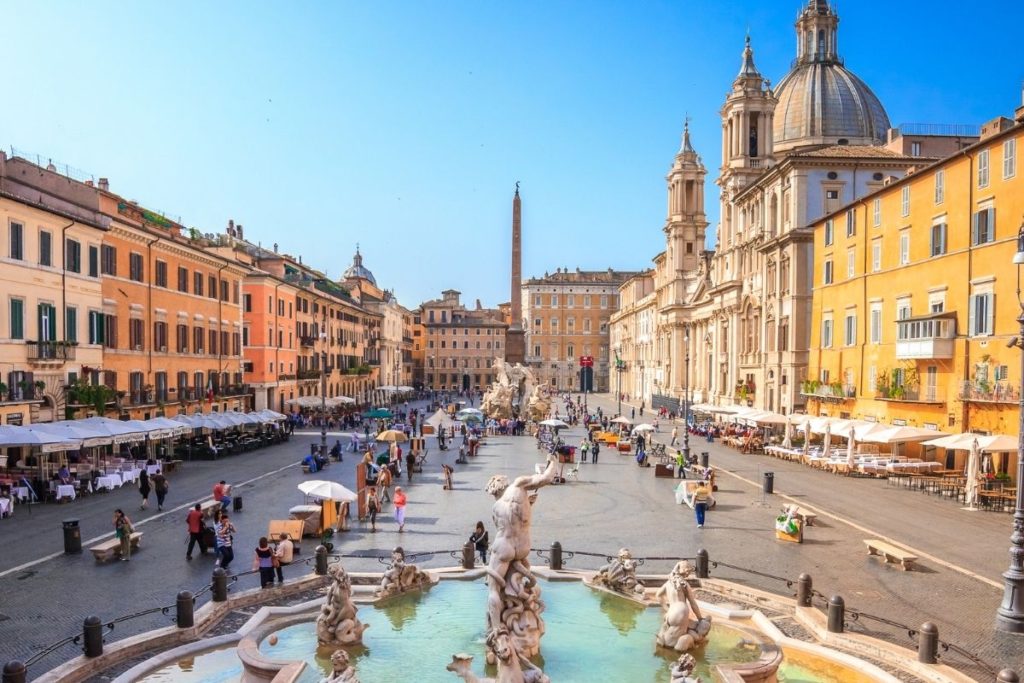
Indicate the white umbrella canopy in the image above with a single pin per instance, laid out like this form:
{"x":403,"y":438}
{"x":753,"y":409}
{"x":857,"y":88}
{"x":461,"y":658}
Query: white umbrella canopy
{"x":69,"y":431}
{"x":851,"y":448}
{"x":468,"y":412}
{"x":807,"y":435}
{"x":557,"y":424}
{"x":901,"y":434}
{"x":330,"y":490}
{"x":787,"y":440}
{"x":973,"y":471}
{"x":643,"y":428}
{"x":826,"y":449}
{"x":767,"y":417}
{"x":440,"y":419}
{"x":14,"y":435}
{"x":272,"y":415}
{"x":118,"y":429}
{"x":405,"y":389}
{"x":167,"y":423}
{"x":622,"y":420}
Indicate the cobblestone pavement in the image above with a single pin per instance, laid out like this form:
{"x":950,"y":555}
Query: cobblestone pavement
{"x":613,"y":504}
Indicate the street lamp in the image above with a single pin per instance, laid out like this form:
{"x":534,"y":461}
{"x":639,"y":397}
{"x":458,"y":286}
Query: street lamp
{"x":686,"y":393}
{"x":323,"y":383}
{"x":1010,"y":615}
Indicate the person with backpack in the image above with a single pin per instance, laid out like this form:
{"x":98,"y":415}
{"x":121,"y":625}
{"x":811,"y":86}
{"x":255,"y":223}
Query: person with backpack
{"x":123,"y":531}
{"x":263,"y":559}
{"x":595,"y":448}
{"x":160,"y":488}
{"x":480,"y":541}
{"x":372,"y":507}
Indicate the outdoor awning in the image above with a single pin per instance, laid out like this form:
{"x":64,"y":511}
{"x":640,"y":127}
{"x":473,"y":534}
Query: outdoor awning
{"x":70,"y":431}
{"x":117,"y":429}
{"x":986,"y":442}
{"x":15,"y":436}
{"x":901,"y":435}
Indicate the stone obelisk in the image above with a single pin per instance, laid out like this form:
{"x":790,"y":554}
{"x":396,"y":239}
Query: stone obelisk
{"x":515,"y":340}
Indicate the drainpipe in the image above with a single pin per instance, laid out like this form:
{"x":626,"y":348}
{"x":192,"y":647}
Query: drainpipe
{"x":64,"y":277}
{"x":220,"y":323}
{"x":964,"y":405}
{"x":277,"y":347}
{"x":149,"y":297}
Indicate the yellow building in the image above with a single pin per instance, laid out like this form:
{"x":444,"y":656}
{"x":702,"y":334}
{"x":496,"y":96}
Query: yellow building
{"x":915,"y":295}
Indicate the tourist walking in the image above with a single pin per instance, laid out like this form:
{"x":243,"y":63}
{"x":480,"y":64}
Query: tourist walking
{"x":285,"y":553}
{"x":196,"y":530}
{"x":595,"y":448}
{"x":400,"y":501}
{"x":675,"y":436}
{"x":700,"y":502}
{"x":144,"y":489}
{"x":160,"y":488}
{"x":584,"y":447}
{"x":264,"y":559}
{"x":410,"y":462}
{"x":372,"y":507}
{"x":222,"y":493}
{"x":225,"y":537}
{"x":384,"y":485}
{"x":481,"y":541}
{"x":123,"y":531}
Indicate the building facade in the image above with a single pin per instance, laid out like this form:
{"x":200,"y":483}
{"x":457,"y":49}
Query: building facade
{"x":460,"y":344}
{"x":567,"y":317}
{"x":915,"y":295}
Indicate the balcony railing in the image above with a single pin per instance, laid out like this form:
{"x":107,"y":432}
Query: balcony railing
{"x":309,"y":374}
{"x":830,"y":391}
{"x":904,"y":395}
{"x":56,"y":351}
{"x":983,"y":392}
{"x":232,"y":390}
{"x":307,"y":342}
{"x":286,"y":377}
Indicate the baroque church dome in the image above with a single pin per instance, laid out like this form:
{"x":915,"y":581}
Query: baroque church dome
{"x":820,"y":101}
{"x":358,"y":270}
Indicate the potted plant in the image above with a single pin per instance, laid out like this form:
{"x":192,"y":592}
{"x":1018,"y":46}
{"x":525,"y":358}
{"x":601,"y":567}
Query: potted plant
{"x":40,"y":385}
{"x":3,"y":391}
{"x":837,"y":388}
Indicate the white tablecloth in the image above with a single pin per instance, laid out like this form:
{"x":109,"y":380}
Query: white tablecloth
{"x":66,"y":491}
{"x":5,"y":506}
{"x":109,"y":482}
{"x":21,"y":492}
{"x":153,"y":469}
{"x":130,"y":475}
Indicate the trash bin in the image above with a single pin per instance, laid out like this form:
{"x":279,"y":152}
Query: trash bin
{"x":236,"y":503}
{"x":72,"y":536}
{"x":768,"y":485}
{"x":704,"y":457}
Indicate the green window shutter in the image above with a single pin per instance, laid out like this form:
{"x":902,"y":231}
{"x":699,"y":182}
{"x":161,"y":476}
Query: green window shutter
{"x":52,"y":311}
{"x":71,"y":324}
{"x":17,"y":319}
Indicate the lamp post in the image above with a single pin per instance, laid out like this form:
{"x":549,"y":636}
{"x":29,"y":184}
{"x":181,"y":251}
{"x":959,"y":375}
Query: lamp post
{"x":619,"y":367}
{"x":686,"y":393}
{"x":323,"y":383}
{"x":1010,"y":615}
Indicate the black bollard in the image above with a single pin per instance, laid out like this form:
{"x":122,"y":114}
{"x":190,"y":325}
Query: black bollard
{"x":321,"y":561}
{"x":928,"y":643}
{"x":186,"y":610}
{"x":468,"y":555}
{"x":92,"y":637}
{"x":804,"y":590}
{"x":702,"y":564}
{"x":1005,"y":676}
{"x":219,"y":585}
{"x":15,"y":672}
{"x":836,"y":614}
{"x":555,"y":560}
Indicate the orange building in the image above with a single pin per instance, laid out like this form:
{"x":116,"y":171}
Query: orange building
{"x":268,"y":339}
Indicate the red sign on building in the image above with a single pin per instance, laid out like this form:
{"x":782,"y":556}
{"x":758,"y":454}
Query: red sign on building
{"x":586,"y":361}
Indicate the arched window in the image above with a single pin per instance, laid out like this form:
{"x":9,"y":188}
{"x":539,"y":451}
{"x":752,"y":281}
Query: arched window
{"x":821,"y":44}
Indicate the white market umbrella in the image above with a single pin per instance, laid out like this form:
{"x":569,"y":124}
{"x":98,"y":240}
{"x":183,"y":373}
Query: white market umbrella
{"x":14,"y":435}
{"x":468,"y":413}
{"x":272,"y":415}
{"x":330,"y":490}
{"x":851,"y":448}
{"x":392,"y":435}
{"x":70,"y":431}
{"x":787,"y":440}
{"x":176,"y":427}
{"x":557,"y":424}
{"x":643,"y":428}
{"x":118,"y":429}
{"x":807,"y":436}
{"x":826,"y":449}
{"x":405,"y":389}
{"x":901,"y":434}
{"x":440,"y":420}
{"x":622,"y":420}
{"x":973,"y":469}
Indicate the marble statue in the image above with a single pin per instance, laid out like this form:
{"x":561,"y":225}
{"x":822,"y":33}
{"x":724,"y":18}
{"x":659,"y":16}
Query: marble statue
{"x":538,"y":407}
{"x":341,"y":670}
{"x":337,"y":623}
{"x":514,"y":624}
{"x":401,"y":577}
{"x":682,"y":627}
{"x":619,"y":575}
{"x":682,"y":669}
{"x":513,"y":387}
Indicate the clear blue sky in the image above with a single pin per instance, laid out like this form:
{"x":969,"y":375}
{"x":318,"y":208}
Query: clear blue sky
{"x":404,"y":126}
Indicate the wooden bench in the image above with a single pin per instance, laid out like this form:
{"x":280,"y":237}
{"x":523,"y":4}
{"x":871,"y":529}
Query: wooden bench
{"x":108,"y":549}
{"x":805,"y":516}
{"x":209,"y":508}
{"x":891,"y":553}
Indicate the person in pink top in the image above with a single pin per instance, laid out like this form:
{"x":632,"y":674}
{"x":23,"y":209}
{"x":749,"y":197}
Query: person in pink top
{"x":400,"y":501}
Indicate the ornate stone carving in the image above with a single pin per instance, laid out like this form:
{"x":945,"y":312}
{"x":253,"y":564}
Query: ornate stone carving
{"x":514,"y":606}
{"x":337,"y":623}
{"x":342,"y":671}
{"x":401,"y":577}
{"x":682,"y":627}
{"x":619,"y":575}
{"x":682,"y":669}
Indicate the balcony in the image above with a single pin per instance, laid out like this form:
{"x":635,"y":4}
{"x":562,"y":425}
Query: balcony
{"x":307,"y":342}
{"x":926,"y":337}
{"x":232,"y":390}
{"x":286,"y":377}
{"x":47,"y":352}
{"x":905,"y":395}
{"x":829,"y":393}
{"x":309,"y":374}
{"x":984,"y":392}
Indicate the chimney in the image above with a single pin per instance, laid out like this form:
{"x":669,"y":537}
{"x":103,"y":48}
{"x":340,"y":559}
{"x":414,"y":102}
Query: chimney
{"x":231,"y":227}
{"x":104,"y":184}
{"x":478,"y":306}
{"x":1019,"y":112}
{"x":88,"y":183}
{"x":238,"y":229}
{"x":275,"y":247}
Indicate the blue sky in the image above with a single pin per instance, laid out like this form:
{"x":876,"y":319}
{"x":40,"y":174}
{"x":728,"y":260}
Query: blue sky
{"x":404,"y":126}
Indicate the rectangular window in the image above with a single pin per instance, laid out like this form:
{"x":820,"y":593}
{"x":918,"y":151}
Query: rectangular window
{"x":135,"y":267}
{"x":182,"y":338}
{"x":198,"y":339}
{"x":247,"y":303}
{"x":225,"y":292}
{"x":876,"y":211}
{"x":197,"y":283}
{"x":938,"y":240}
{"x":136,"y":334}
{"x":161,"y":273}
{"x":981,"y":315}
{"x":851,"y":222}
{"x":1009,"y":158}
{"x":17,"y":244}
{"x":47,"y":323}
{"x":71,"y":324}
{"x":850,"y":330}
{"x":570,"y":300}
{"x":940,"y":186}
{"x":160,"y":337}
{"x":872,"y":378}
{"x":829,"y":233}
{"x":983,"y":227}
{"x":876,"y":256}
{"x":851,"y":263}
{"x":96,"y":325}
{"x":94,"y":261}
{"x":554,"y":301}
{"x":826,"y":333}
{"x":827,"y":273}
{"x":110,"y":331}
{"x":108,"y":262}
{"x":536,"y":301}
{"x":182,"y":279}
{"x":905,"y":201}
{"x":915,"y":149}
{"x":904,"y":248}
{"x":876,"y":324}
{"x":73,"y":255}
{"x":17,"y":320}
{"x":211,"y":290}
{"x":45,"y":248}
{"x":983,"y":168}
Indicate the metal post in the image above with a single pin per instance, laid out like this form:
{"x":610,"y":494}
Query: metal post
{"x":15,"y":672}
{"x":836,"y":614}
{"x":555,"y":559}
{"x":219,"y":585}
{"x":1005,"y":676}
{"x":185,"y":616}
{"x":702,"y":564}
{"x":686,"y":395}
{"x":321,"y":560}
{"x":92,"y":636}
{"x":928,"y":643}
{"x":468,"y":555}
{"x":323,"y":382}
{"x":804,"y":590}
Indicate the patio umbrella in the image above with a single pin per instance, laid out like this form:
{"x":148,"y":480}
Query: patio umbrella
{"x":377,"y":413}
{"x":557,"y":424}
{"x":272,"y":415}
{"x":466,"y":412}
{"x":643,"y":428}
{"x":14,"y":435}
{"x":330,"y":490}
{"x":851,"y":448}
{"x":901,"y":434}
{"x":69,"y":431}
{"x":392,"y":435}
{"x":622,"y":420}
{"x":166,"y":423}
{"x":119,"y":430}
{"x":470,"y":418}
{"x":973,"y":467}
{"x":405,"y":390}
{"x":807,"y":435}
{"x":787,"y":440}
{"x":439,"y":420}
{"x":826,"y":449}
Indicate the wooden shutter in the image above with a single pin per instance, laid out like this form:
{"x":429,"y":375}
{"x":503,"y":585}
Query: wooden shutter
{"x":990,"y":313}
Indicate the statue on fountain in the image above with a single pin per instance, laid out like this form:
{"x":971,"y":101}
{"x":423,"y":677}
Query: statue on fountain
{"x":341,"y":670}
{"x":682,"y":627}
{"x":682,"y":669}
{"x":514,"y":624}
{"x":512,"y":388}
{"x":337,"y":623}
{"x":401,"y":577}
{"x":619,"y":575}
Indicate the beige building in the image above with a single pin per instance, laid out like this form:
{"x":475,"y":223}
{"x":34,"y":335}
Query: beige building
{"x":567,"y":315}
{"x":460,"y":344}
